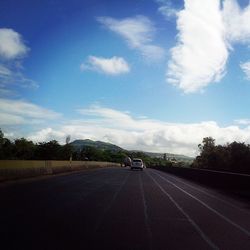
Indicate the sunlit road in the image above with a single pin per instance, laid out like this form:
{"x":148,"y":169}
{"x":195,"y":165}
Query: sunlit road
{"x":120,"y":209}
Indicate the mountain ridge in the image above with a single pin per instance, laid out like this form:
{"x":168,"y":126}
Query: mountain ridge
{"x":79,"y":144}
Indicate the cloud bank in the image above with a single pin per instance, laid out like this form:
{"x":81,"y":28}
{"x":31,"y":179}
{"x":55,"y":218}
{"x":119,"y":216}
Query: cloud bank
{"x":20,"y":112}
{"x":129,"y":132}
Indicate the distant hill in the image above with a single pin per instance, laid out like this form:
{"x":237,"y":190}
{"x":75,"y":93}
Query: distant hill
{"x":178,"y":157}
{"x":80,"y":144}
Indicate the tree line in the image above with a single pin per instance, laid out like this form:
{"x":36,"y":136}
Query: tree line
{"x":23,"y":149}
{"x":233,"y":157}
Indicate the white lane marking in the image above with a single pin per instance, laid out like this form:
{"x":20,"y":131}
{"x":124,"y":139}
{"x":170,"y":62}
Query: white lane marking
{"x":146,"y":214}
{"x":208,"y":207}
{"x":205,"y":192}
{"x":99,"y":222}
{"x":197,"y":228}
{"x":106,"y":182}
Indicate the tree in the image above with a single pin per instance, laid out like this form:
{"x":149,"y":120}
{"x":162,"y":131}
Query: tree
{"x":234,"y":157}
{"x":6,"y":147}
{"x":208,"y":144}
{"x":48,"y":150}
{"x":1,"y":136}
{"x":65,"y":152}
{"x":239,"y":157}
{"x":91,"y":153}
{"x":165,"y":156}
{"x":23,"y":149}
{"x":1,"y":144}
{"x":207,"y":156}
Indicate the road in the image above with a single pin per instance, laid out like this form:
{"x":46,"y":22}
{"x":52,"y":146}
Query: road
{"x":118,"y":208}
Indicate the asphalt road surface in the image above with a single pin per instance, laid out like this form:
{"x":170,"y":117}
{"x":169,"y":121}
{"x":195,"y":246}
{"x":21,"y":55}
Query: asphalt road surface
{"x":120,"y":209}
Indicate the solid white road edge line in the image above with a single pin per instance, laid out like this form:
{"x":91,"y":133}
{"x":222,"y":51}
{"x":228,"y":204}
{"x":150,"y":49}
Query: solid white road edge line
{"x":208,"y":207}
{"x":208,"y":194}
{"x":197,"y":228}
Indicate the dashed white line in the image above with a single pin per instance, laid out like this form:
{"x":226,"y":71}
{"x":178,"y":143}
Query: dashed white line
{"x":99,"y":222}
{"x":146,"y":214}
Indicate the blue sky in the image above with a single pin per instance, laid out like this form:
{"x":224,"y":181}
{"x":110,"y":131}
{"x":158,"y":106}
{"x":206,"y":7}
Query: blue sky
{"x":155,"y":75}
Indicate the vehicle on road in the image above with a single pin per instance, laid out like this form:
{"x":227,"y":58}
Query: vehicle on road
{"x":127,"y":162}
{"x":137,"y":164}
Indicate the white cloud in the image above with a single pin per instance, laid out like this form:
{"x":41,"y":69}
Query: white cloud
{"x":111,"y":66}
{"x":6,"y":92}
{"x":48,"y":134}
{"x":237,"y":27}
{"x":138,"y":31}
{"x":14,"y":112}
{"x":109,"y":114}
{"x":246,"y":69}
{"x":10,"y":119}
{"x":206,"y":34}
{"x":4,"y":71}
{"x":201,"y":53}
{"x":12,"y":51}
{"x":236,"y":21}
{"x":152,"y":52}
{"x":121,"y":128}
{"x":12,"y":45}
{"x":166,"y":9}
{"x":243,"y":121}
{"x":12,"y":76}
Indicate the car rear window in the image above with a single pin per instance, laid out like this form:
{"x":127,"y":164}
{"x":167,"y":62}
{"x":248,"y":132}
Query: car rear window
{"x":137,"y":161}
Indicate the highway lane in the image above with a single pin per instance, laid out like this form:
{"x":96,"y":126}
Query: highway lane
{"x":120,"y":209}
